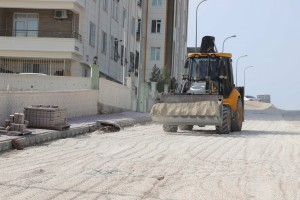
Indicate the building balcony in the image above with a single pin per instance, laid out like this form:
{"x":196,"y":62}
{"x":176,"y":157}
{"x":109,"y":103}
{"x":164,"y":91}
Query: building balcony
{"x":37,"y":33}
{"x":73,"y":5}
{"x":68,"y":48}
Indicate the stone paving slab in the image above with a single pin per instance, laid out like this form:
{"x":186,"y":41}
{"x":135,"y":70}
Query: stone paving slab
{"x":79,"y":125}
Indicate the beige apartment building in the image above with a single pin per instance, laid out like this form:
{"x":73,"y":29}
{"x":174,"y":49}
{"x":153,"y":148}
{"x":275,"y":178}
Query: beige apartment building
{"x":63,"y":37}
{"x":166,"y":37}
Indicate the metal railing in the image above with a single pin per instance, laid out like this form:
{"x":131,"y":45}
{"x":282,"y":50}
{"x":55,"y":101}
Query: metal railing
{"x":39,"y":33}
{"x":52,"y":67}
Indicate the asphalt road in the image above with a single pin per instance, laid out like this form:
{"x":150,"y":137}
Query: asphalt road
{"x":143,"y":162}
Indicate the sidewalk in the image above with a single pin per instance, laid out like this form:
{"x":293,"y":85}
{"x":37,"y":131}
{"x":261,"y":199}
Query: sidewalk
{"x":79,"y":125}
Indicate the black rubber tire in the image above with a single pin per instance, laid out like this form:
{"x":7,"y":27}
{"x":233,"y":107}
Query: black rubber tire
{"x":170,"y":128}
{"x":186,"y":127}
{"x":237,"y":117}
{"x":226,"y":123}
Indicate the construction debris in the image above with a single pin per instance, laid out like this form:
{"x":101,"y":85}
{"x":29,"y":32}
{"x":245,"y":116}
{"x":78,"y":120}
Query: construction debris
{"x":17,"y":144}
{"x":16,"y":125}
{"x":46,"y":116}
{"x":108,"y":128}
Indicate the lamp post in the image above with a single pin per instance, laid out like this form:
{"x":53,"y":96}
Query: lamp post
{"x":197,"y":24}
{"x":226,"y":39}
{"x":237,"y":67}
{"x":245,"y":77}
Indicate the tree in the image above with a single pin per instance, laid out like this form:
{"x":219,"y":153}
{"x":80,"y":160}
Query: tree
{"x":155,"y":74}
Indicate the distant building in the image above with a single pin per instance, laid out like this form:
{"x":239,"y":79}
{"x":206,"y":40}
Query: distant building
{"x":166,"y":37}
{"x":192,"y":49}
{"x":265,"y":98}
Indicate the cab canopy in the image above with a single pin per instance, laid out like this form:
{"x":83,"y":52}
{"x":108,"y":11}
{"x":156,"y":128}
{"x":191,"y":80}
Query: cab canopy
{"x":194,"y":55}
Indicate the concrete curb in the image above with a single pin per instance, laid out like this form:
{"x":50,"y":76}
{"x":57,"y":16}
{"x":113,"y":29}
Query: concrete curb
{"x":121,"y":123}
{"x":35,"y":139}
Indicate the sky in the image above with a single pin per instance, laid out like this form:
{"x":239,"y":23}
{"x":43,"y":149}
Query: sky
{"x":268,"y":31}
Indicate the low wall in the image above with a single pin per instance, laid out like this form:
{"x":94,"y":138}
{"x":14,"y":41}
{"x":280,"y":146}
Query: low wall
{"x":72,"y":93}
{"x":114,"y":97}
{"x":77,"y":103}
{"x":18,"y":82}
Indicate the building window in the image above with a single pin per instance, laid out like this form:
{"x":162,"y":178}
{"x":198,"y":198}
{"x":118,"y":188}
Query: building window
{"x":116,"y":50}
{"x":105,"y":5}
{"x":133,"y":26}
{"x":156,"y":2}
{"x":137,"y":60}
{"x":155,"y":53}
{"x":124,"y":18}
{"x":112,"y":47}
{"x":115,"y":10}
{"x":138,"y":32}
{"x":122,"y":55}
{"x":26,"y":24}
{"x":156,"y":26}
{"x":131,"y":66}
{"x":92,"y":40}
{"x":104,"y":42}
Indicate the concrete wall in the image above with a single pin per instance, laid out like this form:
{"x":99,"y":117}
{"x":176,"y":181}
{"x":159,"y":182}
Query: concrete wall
{"x":72,"y":93}
{"x":114,"y":97}
{"x":77,"y":103}
{"x":16,"y":82}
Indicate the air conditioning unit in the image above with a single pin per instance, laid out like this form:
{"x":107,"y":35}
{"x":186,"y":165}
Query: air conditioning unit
{"x":60,"y":14}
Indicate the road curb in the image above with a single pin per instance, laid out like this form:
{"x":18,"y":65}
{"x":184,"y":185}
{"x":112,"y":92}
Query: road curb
{"x":35,"y":139}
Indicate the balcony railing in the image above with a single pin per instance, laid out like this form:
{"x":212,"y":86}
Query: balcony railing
{"x":38,"y":33}
{"x":52,"y":67}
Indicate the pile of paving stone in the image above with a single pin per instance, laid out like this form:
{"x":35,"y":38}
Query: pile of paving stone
{"x":46,"y":116}
{"x":15,"y":125}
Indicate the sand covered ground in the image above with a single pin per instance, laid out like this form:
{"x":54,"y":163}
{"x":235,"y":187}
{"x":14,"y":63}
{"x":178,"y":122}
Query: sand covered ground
{"x":142,"y":162}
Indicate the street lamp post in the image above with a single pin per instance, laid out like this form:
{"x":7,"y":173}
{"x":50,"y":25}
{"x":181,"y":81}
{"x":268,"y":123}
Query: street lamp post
{"x":226,"y":39}
{"x":245,"y":77}
{"x":236,"y":83}
{"x":197,"y":23}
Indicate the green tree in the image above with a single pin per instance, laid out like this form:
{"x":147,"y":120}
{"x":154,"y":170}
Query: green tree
{"x":155,"y":74}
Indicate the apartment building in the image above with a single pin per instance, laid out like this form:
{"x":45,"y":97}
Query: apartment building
{"x":63,"y":37}
{"x":166,"y":38}
{"x":119,"y":38}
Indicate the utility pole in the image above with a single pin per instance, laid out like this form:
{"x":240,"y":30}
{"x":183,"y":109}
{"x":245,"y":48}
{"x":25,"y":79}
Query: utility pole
{"x":141,"y":107}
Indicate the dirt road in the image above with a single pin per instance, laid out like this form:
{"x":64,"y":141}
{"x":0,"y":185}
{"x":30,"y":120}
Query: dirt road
{"x":261,"y":162}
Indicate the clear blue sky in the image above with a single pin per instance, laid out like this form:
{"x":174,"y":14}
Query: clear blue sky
{"x":268,"y":31}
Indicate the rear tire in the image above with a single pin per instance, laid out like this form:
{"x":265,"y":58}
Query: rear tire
{"x":226,"y":122}
{"x":237,"y":117}
{"x":186,"y":127}
{"x":170,"y":128}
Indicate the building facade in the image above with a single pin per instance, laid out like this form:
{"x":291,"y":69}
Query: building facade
{"x":62,"y":37}
{"x":265,"y":98}
{"x":119,"y":38}
{"x":166,"y":37}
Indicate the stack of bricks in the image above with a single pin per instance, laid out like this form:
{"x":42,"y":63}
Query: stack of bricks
{"x":45,"y":116}
{"x":16,"y":122}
